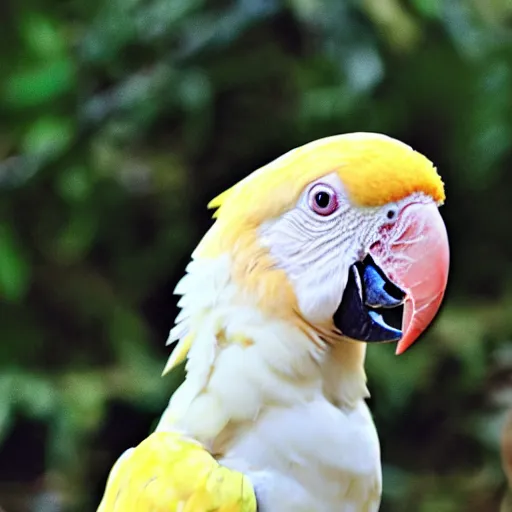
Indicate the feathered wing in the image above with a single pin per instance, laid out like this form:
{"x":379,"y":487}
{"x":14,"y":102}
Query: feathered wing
{"x":170,"y":473}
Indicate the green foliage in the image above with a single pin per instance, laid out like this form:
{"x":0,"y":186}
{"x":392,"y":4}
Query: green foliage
{"x":14,"y":268}
{"x":120,"y":119}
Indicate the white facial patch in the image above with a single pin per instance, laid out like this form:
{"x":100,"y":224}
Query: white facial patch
{"x":316,"y":251}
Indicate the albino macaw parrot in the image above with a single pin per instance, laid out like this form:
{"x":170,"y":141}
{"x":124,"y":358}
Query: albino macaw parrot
{"x":334,"y":245}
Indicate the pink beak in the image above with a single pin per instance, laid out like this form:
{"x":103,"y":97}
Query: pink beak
{"x":415,"y":255}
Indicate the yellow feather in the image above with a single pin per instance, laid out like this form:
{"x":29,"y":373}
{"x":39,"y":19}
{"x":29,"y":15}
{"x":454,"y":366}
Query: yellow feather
{"x":169,"y":473}
{"x":375,"y":170}
{"x":179,"y":353}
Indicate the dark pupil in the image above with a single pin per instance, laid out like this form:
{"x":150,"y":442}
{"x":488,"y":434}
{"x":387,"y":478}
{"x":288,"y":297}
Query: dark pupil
{"x":322,"y":199}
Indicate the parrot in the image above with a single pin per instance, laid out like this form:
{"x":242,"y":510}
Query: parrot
{"x":334,"y":245}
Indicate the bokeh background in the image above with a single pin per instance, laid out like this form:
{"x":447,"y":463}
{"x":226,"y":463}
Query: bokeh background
{"x":120,"y":119}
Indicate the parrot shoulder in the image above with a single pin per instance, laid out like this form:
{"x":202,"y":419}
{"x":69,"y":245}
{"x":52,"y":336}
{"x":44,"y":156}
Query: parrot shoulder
{"x":171,"y":473}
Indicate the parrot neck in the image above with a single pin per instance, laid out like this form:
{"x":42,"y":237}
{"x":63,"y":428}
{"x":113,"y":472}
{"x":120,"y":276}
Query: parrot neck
{"x":241,"y":360}
{"x":343,"y":374}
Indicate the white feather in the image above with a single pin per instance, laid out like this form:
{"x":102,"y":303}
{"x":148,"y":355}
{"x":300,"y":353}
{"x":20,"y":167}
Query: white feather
{"x":267,"y":405}
{"x":332,"y":456}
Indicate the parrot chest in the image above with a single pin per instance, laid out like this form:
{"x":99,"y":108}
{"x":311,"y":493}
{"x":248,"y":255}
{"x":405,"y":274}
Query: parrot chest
{"x":311,"y":457}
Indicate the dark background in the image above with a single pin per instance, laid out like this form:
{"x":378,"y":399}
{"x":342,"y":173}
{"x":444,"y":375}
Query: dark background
{"x":120,"y":119}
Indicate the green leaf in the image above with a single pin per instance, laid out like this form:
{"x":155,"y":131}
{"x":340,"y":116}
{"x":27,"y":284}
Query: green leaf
{"x":6,"y":403}
{"x":428,"y":8}
{"x":74,"y":184}
{"x":77,"y":236}
{"x":48,"y":136}
{"x":33,"y":87}
{"x":14,"y":266}
{"x":36,"y":395}
{"x":83,"y":395}
{"x":42,"y":36}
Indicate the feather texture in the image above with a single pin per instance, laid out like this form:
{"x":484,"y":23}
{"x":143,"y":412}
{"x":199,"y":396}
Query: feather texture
{"x":170,"y":473}
{"x":270,"y":403}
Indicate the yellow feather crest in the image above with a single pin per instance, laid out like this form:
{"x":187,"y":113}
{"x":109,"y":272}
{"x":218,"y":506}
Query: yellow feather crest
{"x":375,"y":170}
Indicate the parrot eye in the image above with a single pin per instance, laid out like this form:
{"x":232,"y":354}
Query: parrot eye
{"x":392,"y":213}
{"x":323,"y":200}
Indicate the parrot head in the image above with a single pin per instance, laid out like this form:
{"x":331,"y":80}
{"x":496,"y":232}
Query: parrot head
{"x":342,"y":235}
